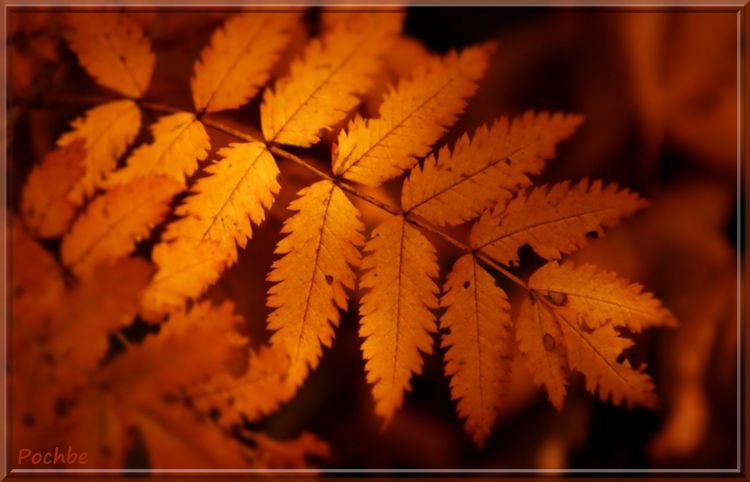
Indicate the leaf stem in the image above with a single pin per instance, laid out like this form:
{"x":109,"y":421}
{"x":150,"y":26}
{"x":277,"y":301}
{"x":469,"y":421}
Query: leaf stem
{"x":343,"y":185}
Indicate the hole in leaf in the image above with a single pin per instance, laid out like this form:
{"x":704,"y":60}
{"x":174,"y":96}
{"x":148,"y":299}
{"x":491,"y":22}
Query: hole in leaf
{"x":584,"y":326}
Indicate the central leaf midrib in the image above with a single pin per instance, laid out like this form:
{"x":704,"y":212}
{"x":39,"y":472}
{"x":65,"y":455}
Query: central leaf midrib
{"x":596,"y":351}
{"x":468,"y":177}
{"x":529,"y":227}
{"x":120,"y":59}
{"x":479,"y":339}
{"x":398,"y":304}
{"x":169,"y":146}
{"x":606,"y":302}
{"x":314,"y":270}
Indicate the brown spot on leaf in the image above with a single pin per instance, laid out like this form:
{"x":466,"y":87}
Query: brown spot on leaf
{"x":549,"y":342}
{"x":556,"y":298}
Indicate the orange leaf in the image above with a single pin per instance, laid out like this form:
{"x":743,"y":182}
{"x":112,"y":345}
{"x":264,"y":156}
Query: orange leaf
{"x":130,"y":393}
{"x":44,"y":200}
{"x":542,"y":347}
{"x":258,"y":392}
{"x":180,"y":141}
{"x":479,"y":344}
{"x":115,"y":221}
{"x":454,"y":187}
{"x":601,"y":297}
{"x":554,"y":221}
{"x":596,"y":355}
{"x":107,"y":129}
{"x":413,"y":116}
{"x":197,"y":248}
{"x":552,"y":332}
{"x":237,"y":191}
{"x":204,"y":338}
{"x":36,"y":282}
{"x":238,"y":61}
{"x":185,"y":269}
{"x":313,"y":274}
{"x":396,"y":320}
{"x":326,"y":83}
{"x":112,"y":48}
{"x":177,"y":438}
{"x":103,"y":302}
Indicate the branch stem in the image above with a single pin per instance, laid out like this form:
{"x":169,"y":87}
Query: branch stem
{"x":280,"y":152}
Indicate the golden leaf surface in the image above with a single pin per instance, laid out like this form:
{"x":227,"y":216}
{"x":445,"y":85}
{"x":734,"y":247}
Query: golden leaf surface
{"x":107,"y":129}
{"x":596,"y":354}
{"x":203,"y":337}
{"x":185,"y":270}
{"x":454,"y":187}
{"x":215,"y":218}
{"x":396,"y":322}
{"x":311,"y":278}
{"x":115,"y":221}
{"x":179,"y":142}
{"x":479,"y":344}
{"x":413,"y":116}
{"x":551,"y":333}
{"x":258,"y":392}
{"x":326,"y":83}
{"x":542,"y":347}
{"x":601,"y":297}
{"x":553,"y":220}
{"x":239,"y":58}
{"x":236,"y":192}
{"x":45,"y":205}
{"x":113,"y":50}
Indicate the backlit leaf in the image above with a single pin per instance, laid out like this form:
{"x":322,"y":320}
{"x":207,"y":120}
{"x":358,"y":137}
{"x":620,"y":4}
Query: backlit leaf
{"x":313,"y":275}
{"x":396,"y":322}
{"x":413,"y":116}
